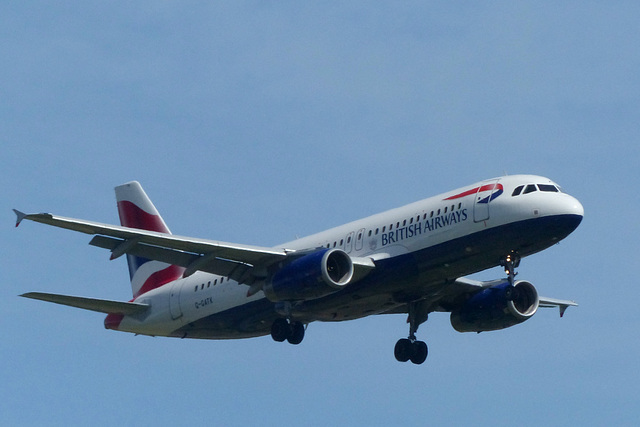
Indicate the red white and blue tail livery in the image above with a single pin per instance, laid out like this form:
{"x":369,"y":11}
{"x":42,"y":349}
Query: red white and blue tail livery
{"x":412,"y":260}
{"x":137,"y":211}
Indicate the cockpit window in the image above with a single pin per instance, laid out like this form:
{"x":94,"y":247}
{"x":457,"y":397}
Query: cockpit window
{"x":530,"y":189}
{"x":517,"y":191}
{"x":548,"y":188}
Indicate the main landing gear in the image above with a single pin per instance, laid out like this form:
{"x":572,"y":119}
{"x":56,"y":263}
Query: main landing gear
{"x":285,"y":329}
{"x":410,"y":348}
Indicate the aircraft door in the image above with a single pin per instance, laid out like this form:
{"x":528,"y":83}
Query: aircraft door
{"x":174,"y":300}
{"x":360,"y":239}
{"x":348,"y":244}
{"x":486,"y":192}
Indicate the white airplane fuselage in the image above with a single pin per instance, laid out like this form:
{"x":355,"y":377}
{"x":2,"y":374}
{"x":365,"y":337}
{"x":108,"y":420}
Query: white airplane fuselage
{"x":418,"y":250}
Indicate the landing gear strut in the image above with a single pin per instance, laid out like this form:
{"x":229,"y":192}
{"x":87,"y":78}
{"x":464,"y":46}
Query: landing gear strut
{"x":410,"y":348}
{"x":284,"y":329}
{"x":510,"y":263}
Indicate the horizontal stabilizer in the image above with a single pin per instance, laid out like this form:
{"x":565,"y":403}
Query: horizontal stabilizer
{"x":93,"y":304}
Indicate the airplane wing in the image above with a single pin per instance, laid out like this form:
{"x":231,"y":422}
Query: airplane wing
{"x":450,"y":296}
{"x":561,"y":304}
{"x":243,"y":263}
{"x":239,"y":262}
{"x":93,"y":304}
{"x":465,"y":285}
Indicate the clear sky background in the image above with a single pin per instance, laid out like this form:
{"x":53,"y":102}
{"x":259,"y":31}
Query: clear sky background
{"x":256,"y":122}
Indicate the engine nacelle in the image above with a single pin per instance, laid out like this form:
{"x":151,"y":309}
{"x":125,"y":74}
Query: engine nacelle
{"x":311,"y":276}
{"x":497,"y":307}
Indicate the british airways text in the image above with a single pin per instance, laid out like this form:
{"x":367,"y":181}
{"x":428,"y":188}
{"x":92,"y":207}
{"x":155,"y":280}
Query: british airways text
{"x":429,"y":225}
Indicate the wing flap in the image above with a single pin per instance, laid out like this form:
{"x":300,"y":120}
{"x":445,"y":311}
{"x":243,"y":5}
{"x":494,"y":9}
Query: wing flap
{"x":191,"y":261}
{"x":92,"y":304}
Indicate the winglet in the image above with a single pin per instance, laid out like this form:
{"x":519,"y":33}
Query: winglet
{"x":20,"y":216}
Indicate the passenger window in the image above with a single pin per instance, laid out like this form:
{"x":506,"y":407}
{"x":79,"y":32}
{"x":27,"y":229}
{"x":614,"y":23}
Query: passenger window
{"x":370,"y":232}
{"x":548,"y":188}
{"x":459,"y":205}
{"x":517,"y":191}
{"x":196,"y":289}
{"x":445,"y":209}
{"x":411,"y":220}
{"x":404,"y":222}
{"x":530,"y":189}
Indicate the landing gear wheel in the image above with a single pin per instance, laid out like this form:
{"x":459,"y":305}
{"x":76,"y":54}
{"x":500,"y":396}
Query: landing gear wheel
{"x":280,"y":330}
{"x":403,"y":350}
{"x":406,"y":350}
{"x":296,"y":333}
{"x":420,"y":352}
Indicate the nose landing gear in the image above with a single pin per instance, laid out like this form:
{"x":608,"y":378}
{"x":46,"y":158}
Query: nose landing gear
{"x":510,"y":263}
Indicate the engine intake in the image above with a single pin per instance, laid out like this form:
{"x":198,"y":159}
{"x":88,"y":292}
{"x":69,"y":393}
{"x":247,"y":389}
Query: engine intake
{"x":311,"y":276}
{"x":497,"y":307}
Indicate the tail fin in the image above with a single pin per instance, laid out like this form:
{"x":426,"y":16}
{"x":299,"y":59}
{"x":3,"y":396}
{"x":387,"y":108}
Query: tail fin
{"x":137,"y":211}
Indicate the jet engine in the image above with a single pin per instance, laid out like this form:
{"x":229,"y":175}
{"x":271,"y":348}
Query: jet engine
{"x":311,"y":276}
{"x":497,"y":307}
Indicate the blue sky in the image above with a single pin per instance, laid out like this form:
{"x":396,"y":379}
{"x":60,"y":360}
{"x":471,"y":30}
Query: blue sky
{"x":255,"y":122}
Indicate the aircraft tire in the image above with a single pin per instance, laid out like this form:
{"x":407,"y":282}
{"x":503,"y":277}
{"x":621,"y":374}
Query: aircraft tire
{"x":403,"y":350}
{"x":296,"y":333}
{"x":280,"y":330}
{"x":419,"y":352}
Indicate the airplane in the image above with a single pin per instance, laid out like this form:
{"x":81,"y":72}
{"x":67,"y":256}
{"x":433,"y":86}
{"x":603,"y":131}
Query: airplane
{"x":410,"y":260}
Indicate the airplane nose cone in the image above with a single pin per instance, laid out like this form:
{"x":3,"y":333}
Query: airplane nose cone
{"x":572,"y":212}
{"x":575,"y":207}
